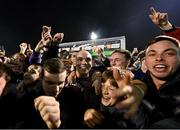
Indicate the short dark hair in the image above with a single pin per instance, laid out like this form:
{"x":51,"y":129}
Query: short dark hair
{"x":163,"y":37}
{"x":70,"y":54}
{"x":123,"y":51}
{"x":108,"y":74}
{"x":54,"y":66}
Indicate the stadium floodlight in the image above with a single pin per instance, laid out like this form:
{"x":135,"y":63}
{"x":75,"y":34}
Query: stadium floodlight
{"x":93,"y":36}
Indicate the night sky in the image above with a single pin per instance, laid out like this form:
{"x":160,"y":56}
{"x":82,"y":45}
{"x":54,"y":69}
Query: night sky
{"x":22,"y":20}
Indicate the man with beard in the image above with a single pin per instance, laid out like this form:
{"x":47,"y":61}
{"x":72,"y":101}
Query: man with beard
{"x":82,"y":72}
{"x":80,"y":81}
{"x":30,"y":79}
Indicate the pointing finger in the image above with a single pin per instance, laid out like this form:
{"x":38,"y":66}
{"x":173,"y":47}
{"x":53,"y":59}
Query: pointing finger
{"x":153,"y":11}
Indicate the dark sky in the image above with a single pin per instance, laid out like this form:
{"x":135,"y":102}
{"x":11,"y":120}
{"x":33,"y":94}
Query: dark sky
{"x":21,"y":20}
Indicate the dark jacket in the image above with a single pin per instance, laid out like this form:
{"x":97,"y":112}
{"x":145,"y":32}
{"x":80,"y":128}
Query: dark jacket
{"x":35,"y":58}
{"x":30,"y":118}
{"x":53,"y":52}
{"x":163,"y":104}
{"x":8,"y":109}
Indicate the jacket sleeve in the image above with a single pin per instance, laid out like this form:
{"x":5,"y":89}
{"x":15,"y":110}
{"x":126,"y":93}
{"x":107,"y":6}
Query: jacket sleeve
{"x":35,"y":58}
{"x":53,"y":52}
{"x":174,"y":32}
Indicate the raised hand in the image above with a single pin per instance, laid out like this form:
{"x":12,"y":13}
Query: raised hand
{"x":45,"y":29}
{"x":99,"y":51}
{"x":129,"y":95}
{"x":46,"y":35}
{"x":158,"y":18}
{"x":58,"y":37}
{"x":23,"y":47}
{"x":49,"y":110}
{"x":29,"y":50}
{"x":92,"y":118}
{"x":134,"y":52}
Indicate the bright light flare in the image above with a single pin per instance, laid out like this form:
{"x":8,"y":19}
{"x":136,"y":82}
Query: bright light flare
{"x":93,"y":36}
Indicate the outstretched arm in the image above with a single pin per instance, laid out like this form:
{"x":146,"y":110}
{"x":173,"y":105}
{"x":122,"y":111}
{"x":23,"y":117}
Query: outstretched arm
{"x":160,"y":19}
{"x":129,"y":95}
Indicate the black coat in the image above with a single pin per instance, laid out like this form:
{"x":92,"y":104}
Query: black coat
{"x":163,"y":105}
{"x":70,"y":109}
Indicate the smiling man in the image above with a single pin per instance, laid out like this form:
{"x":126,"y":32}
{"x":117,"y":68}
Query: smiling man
{"x":163,"y":78}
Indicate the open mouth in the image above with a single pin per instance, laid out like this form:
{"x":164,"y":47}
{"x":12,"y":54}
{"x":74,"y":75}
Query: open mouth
{"x":83,"y":66}
{"x":106,"y":99}
{"x":160,"y":67}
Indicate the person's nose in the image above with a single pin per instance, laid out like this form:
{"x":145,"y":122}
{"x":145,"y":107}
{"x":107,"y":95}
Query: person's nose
{"x":32,"y":71}
{"x":84,"y":61}
{"x":159,"y":57}
{"x":112,"y":62}
{"x":105,"y":91}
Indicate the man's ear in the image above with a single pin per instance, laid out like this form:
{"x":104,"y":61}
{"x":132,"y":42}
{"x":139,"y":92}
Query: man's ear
{"x":128,"y":62}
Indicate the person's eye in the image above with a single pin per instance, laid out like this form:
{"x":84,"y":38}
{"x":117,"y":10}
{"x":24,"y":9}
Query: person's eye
{"x":80,"y":59}
{"x":117,"y":59}
{"x":112,"y":88}
{"x":170,"y":53}
{"x":73,"y":55}
{"x":151,"y":54}
{"x":88,"y":59}
{"x":50,"y":83}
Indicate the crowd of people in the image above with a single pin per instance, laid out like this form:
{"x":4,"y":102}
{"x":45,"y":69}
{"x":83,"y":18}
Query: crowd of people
{"x":41,"y":89}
